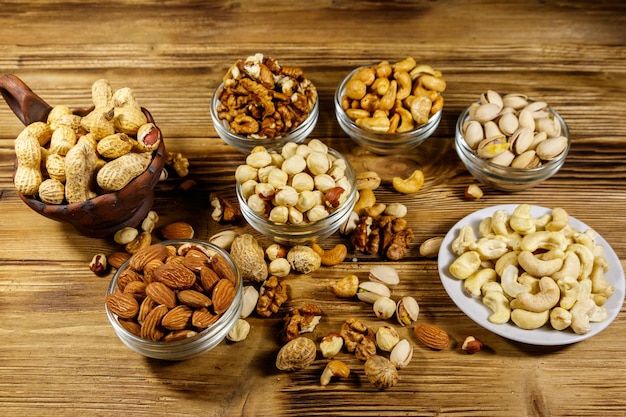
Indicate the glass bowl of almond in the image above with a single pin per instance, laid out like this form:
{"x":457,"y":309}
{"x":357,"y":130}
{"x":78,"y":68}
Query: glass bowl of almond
{"x":511,"y":142}
{"x":175,"y":300}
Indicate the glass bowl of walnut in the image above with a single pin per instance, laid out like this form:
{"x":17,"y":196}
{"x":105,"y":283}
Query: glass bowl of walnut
{"x":260,"y":103}
{"x":390,"y":108}
{"x":175,"y":300}
{"x":511,"y":142}
{"x":298,"y":194}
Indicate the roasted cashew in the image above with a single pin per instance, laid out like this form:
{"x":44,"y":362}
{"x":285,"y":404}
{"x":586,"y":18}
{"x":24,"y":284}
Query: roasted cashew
{"x":510,"y":285}
{"x":474,"y":283}
{"x":569,"y":287}
{"x":388,"y":100}
{"x":570,"y":268}
{"x":509,"y":258}
{"x":537,"y":267}
{"x":465,"y":238}
{"x":499,"y":305}
{"x":599,"y":285}
{"x":490,"y":249}
{"x":406,"y":120}
{"x":521,"y":221}
{"x":465,"y":265}
{"x":529,"y":320}
{"x":581,"y":312}
{"x":332,"y":256}
{"x":547,"y":297}
{"x":405,"y":84}
{"x":412,"y":184}
{"x":544,"y":240}
{"x":560,"y":220}
{"x":560,"y":318}
{"x":367,"y":198}
{"x":586,"y":258}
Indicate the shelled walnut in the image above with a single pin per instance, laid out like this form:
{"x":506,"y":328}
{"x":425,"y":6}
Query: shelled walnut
{"x":388,"y":236}
{"x":273,"y":295}
{"x":300,"y":320}
{"x":358,"y":338}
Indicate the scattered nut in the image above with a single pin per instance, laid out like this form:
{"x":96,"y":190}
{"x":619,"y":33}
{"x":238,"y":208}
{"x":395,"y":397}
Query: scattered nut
{"x":381,"y":372}
{"x":332,"y":256}
{"x":304,"y":259}
{"x":409,"y":185}
{"x":430,"y":247}
{"x":401,"y":354}
{"x":370,"y":291}
{"x":125,"y":235}
{"x":250,"y":297}
{"x":384,"y":307}
{"x":407,"y":310}
{"x":473,"y":192}
{"x":296,"y":354}
{"x":177,"y":230}
{"x":386,"y":338}
{"x":98,"y":264}
{"x":346,"y":287}
{"x":471,"y":345}
{"x":331,"y":345}
{"x":117,"y":259}
{"x":224,"y":239}
{"x":384,"y":274}
{"x":334,"y":368}
{"x":432,"y":336}
{"x":239,"y":331}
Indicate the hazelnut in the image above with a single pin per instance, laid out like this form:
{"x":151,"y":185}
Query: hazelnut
{"x":471,"y":345}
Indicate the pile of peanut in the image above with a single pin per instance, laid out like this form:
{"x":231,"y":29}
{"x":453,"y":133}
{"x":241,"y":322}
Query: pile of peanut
{"x":261,"y":99}
{"x":393,"y":98}
{"x":71,"y":159}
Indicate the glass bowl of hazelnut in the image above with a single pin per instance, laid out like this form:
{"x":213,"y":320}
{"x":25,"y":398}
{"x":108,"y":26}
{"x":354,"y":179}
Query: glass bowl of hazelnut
{"x":261,"y":103}
{"x":175,"y":300}
{"x":510,"y":142}
{"x":298,"y":194}
{"x":390,"y":108}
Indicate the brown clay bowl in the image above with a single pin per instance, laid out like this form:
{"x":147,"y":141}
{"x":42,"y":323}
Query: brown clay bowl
{"x":100,"y":216}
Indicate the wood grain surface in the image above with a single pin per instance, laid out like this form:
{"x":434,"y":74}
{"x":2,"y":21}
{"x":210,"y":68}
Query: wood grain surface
{"x":60,"y":356}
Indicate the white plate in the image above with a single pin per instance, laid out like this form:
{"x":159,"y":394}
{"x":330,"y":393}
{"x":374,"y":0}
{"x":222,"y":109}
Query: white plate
{"x":546,"y":335}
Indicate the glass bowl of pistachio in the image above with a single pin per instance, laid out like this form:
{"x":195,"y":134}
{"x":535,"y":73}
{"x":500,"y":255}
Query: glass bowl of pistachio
{"x":390,"y":108}
{"x":297,"y":194}
{"x":511,"y":142}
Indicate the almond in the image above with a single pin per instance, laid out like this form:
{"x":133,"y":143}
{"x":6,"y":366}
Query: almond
{"x":193,"y":299}
{"x":179,"y":335}
{"x":195,"y":260}
{"x":175,"y":275}
{"x":432,"y":336}
{"x":131,"y":326}
{"x":222,"y":268}
{"x":222,"y":295}
{"x":147,"y":254}
{"x":177,"y":318}
{"x":161,"y":294}
{"x":203,"y":318}
{"x":151,"y":327}
{"x":147,"y":305}
{"x":208,"y":278}
{"x":117,"y":259}
{"x":124,"y":305}
{"x":125,"y":277}
{"x":137,"y":289}
{"x":177,"y":230}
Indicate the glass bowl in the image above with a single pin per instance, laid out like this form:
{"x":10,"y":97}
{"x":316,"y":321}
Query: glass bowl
{"x":245,"y":144}
{"x":190,"y":347}
{"x":382,"y":143}
{"x":507,"y":178}
{"x":296,"y":234}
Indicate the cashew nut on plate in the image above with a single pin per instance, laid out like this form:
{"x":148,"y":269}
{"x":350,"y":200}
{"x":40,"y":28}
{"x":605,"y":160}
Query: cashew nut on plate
{"x":533,"y":271}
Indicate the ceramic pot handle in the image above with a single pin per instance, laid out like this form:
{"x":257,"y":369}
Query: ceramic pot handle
{"x":27,"y":106}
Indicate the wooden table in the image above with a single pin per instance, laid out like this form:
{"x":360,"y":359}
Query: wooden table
{"x":60,"y":356}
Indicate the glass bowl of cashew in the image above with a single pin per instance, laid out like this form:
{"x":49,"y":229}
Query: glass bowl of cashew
{"x":298,"y":194}
{"x":390,"y":108}
{"x":261,"y":103}
{"x":511,"y":142}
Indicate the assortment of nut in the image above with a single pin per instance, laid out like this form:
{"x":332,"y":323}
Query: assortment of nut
{"x":261,"y":99}
{"x":71,"y":159}
{"x":393,"y":98}
{"x":170,"y":293}
{"x":532,"y":271}
{"x":512,"y":130}
{"x":304,"y":183}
